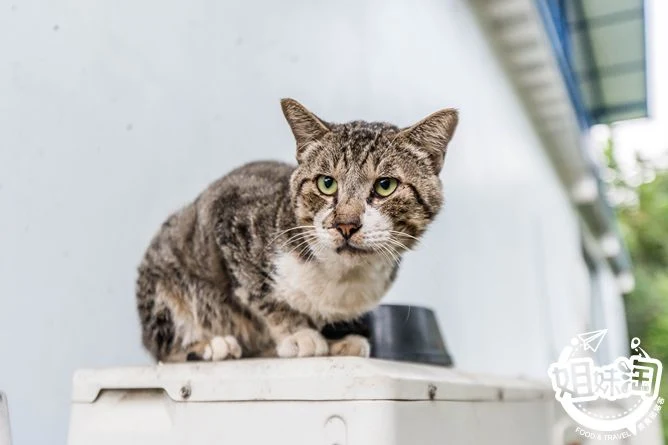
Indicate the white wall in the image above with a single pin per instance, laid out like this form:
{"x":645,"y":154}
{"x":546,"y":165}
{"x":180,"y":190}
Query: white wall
{"x":113,"y":114}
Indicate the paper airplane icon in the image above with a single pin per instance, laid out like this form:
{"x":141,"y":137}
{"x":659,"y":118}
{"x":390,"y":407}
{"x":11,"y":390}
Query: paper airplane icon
{"x":592,"y":340}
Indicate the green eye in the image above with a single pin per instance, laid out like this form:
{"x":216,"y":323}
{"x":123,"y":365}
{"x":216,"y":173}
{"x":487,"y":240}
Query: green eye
{"x":327,"y":185}
{"x":385,"y":186}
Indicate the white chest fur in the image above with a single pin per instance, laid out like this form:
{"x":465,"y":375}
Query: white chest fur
{"x":339,"y":288}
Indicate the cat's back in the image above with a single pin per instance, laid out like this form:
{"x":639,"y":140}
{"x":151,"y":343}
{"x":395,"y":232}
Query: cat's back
{"x":267,"y":170}
{"x":257,"y":191}
{"x":255,"y":187}
{"x":255,"y":178}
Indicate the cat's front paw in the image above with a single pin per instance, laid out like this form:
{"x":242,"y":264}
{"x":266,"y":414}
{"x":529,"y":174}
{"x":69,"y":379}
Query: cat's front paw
{"x":351,"y":345}
{"x":216,"y":349}
{"x":304,"y":343}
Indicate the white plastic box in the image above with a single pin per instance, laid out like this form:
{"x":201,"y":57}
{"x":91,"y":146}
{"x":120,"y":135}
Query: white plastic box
{"x":328,"y":401}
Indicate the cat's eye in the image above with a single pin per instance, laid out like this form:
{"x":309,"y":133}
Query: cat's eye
{"x":385,"y":186}
{"x":327,"y":185}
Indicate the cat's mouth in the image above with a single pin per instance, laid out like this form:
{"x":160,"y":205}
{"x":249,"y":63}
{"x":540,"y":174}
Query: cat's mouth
{"x":347,"y":247}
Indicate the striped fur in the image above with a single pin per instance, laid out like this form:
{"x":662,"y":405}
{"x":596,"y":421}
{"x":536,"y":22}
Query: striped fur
{"x":255,"y":266}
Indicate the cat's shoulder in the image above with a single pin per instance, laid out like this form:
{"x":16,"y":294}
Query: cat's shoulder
{"x":252,"y":183}
{"x":264,"y":169}
{"x":252,"y":172}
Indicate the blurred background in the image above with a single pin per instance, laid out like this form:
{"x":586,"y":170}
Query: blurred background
{"x":114,"y":114}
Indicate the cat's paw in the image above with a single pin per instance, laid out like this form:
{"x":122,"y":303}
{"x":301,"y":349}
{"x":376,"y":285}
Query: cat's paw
{"x":351,"y":345}
{"x":304,"y":343}
{"x":216,"y":349}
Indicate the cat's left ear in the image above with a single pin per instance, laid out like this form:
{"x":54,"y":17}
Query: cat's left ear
{"x":432,"y":135}
{"x":306,"y":126}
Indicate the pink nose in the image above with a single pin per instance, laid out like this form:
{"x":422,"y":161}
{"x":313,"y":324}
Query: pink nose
{"x":347,"y":229}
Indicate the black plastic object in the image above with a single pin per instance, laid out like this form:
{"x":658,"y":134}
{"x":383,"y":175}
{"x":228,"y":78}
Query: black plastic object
{"x":398,"y":332}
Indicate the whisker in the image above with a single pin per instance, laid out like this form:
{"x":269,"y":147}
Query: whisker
{"x":394,"y":253}
{"x":313,"y":255}
{"x":310,"y":255}
{"x":382,"y":252}
{"x":296,"y":238}
{"x":308,"y":247}
{"x":302,"y":243}
{"x":387,"y":253}
{"x":392,"y":256}
{"x":396,"y":232}
{"x":303,"y":250}
{"x":398,"y":243}
{"x":304,"y":238}
{"x":289,"y":230}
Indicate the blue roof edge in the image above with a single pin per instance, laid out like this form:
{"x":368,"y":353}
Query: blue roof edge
{"x":557,"y":30}
{"x":560,"y":45}
{"x":559,"y":42}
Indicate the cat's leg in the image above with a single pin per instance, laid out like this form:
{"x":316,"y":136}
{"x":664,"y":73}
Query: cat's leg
{"x":294,"y":333}
{"x":193,"y":320}
{"x":157,"y":321}
{"x":350,"y":345}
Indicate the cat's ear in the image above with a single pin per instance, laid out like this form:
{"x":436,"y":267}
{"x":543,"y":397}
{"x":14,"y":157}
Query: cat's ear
{"x":306,"y":126}
{"x":432,"y":135}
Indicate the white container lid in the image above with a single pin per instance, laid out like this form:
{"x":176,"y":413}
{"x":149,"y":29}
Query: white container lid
{"x":307,"y":379}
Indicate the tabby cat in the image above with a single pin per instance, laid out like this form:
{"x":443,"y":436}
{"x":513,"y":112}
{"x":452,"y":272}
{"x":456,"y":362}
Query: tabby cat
{"x":270,"y":253}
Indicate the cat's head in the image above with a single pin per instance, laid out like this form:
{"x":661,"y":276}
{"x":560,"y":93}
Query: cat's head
{"x":364,"y":188}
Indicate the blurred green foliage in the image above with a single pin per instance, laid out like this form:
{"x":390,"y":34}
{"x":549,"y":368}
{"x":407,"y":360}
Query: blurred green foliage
{"x":641,"y":201}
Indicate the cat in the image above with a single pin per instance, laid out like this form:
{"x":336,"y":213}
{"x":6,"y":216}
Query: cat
{"x":269,"y":254}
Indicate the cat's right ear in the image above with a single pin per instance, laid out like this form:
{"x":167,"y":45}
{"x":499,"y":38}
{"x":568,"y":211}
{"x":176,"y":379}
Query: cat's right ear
{"x":306,"y":126}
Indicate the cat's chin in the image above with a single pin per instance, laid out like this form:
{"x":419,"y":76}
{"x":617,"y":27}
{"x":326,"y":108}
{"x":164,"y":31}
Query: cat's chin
{"x":348,"y":248}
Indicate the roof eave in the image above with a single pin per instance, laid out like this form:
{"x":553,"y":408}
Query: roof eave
{"x":519,"y":36}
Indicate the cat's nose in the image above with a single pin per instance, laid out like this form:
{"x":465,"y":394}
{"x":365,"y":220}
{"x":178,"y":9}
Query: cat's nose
{"x":347,"y":229}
